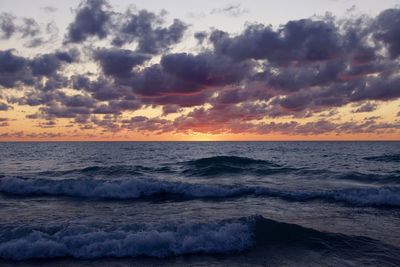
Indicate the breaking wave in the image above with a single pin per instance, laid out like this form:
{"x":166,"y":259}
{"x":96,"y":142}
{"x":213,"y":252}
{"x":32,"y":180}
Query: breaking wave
{"x":137,"y":188}
{"x":225,"y":236}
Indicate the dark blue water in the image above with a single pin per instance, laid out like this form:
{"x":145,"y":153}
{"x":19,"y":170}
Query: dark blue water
{"x":200,"y":204}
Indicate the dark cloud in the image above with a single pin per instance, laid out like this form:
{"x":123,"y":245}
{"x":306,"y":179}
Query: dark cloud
{"x":76,"y":100}
{"x":301,"y":40}
{"x":117,"y":107}
{"x":146,"y":28}
{"x":205,"y":69}
{"x":16,"y":69}
{"x":101,"y":89}
{"x":4,"y":107}
{"x":155,"y":82}
{"x":295,"y":77}
{"x":92,"y":19}
{"x":48,"y":64}
{"x":118,"y":62}
{"x":366,"y":107}
{"x":387,"y":30}
{"x":57,"y":110}
{"x":256,"y":42}
{"x":201,"y":37}
{"x":95,"y":18}
{"x":170,"y":109}
{"x":144,"y":124}
{"x":185,"y":79}
{"x":377,"y":88}
{"x":304,"y":68}
{"x":11,"y":63}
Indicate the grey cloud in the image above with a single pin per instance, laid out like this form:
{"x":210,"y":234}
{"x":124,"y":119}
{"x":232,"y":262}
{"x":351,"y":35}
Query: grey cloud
{"x":201,"y":37}
{"x":92,"y":19}
{"x":301,"y":40}
{"x":205,"y":68}
{"x":13,"y":69}
{"x":146,"y":28}
{"x":387,"y":30}
{"x":118,"y":62}
{"x":49,"y":9}
{"x":24,"y":28}
{"x":234,"y":10}
{"x":7,"y":25}
{"x":4,"y":107}
{"x":366,"y":107}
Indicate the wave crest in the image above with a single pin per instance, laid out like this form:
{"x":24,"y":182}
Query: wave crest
{"x":220,"y":165}
{"x":154,"y":241}
{"x":164,"y":240}
{"x":144,"y":188}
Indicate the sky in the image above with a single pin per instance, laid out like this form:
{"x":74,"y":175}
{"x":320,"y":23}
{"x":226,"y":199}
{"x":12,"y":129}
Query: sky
{"x":124,"y":70}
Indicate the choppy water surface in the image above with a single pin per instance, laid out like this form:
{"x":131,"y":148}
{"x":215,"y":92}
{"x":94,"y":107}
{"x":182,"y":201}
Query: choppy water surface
{"x":200,"y":204}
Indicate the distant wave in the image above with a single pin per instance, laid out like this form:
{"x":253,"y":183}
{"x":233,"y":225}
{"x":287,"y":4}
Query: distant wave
{"x":142,"y":188}
{"x":369,"y":178}
{"x":113,"y":170}
{"x":164,"y":240}
{"x":220,"y":165}
{"x":385,"y":158}
{"x":203,"y":167}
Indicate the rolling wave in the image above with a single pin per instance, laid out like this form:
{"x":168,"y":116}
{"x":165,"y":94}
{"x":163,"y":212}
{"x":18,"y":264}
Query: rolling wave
{"x":114,"y":170}
{"x":369,"y":178}
{"x":385,"y":158}
{"x":156,"y":240}
{"x":220,"y":165}
{"x":136,"y":188}
{"x":212,"y":167}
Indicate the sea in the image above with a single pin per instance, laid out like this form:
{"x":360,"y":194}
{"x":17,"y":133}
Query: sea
{"x":199,"y":204}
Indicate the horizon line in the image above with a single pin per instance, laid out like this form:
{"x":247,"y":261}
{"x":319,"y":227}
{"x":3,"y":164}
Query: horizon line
{"x":189,"y":141}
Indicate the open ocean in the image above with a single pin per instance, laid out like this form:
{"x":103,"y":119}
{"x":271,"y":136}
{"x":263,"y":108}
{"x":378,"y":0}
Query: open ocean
{"x":200,"y":204}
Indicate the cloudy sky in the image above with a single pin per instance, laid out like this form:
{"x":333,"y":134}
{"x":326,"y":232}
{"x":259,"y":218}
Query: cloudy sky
{"x":199,"y":70}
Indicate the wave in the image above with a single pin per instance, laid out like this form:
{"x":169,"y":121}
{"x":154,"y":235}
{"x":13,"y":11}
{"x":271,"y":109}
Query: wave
{"x":154,"y":241}
{"x":220,"y":165}
{"x":114,"y":189}
{"x":369,"y":178}
{"x":145,"y":188}
{"x":165,"y":240}
{"x":385,"y":158}
{"x":113,"y":170}
{"x":203,"y":167}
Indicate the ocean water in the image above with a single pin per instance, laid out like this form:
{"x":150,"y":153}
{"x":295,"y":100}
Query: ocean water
{"x":200,"y":204}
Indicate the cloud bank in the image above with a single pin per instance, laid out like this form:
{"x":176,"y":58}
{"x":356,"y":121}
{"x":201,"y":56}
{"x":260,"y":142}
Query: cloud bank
{"x":243,"y":83}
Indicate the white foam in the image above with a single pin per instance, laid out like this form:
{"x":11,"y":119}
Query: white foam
{"x":156,"y":242}
{"x":118,"y":189}
{"x":136,"y":188}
